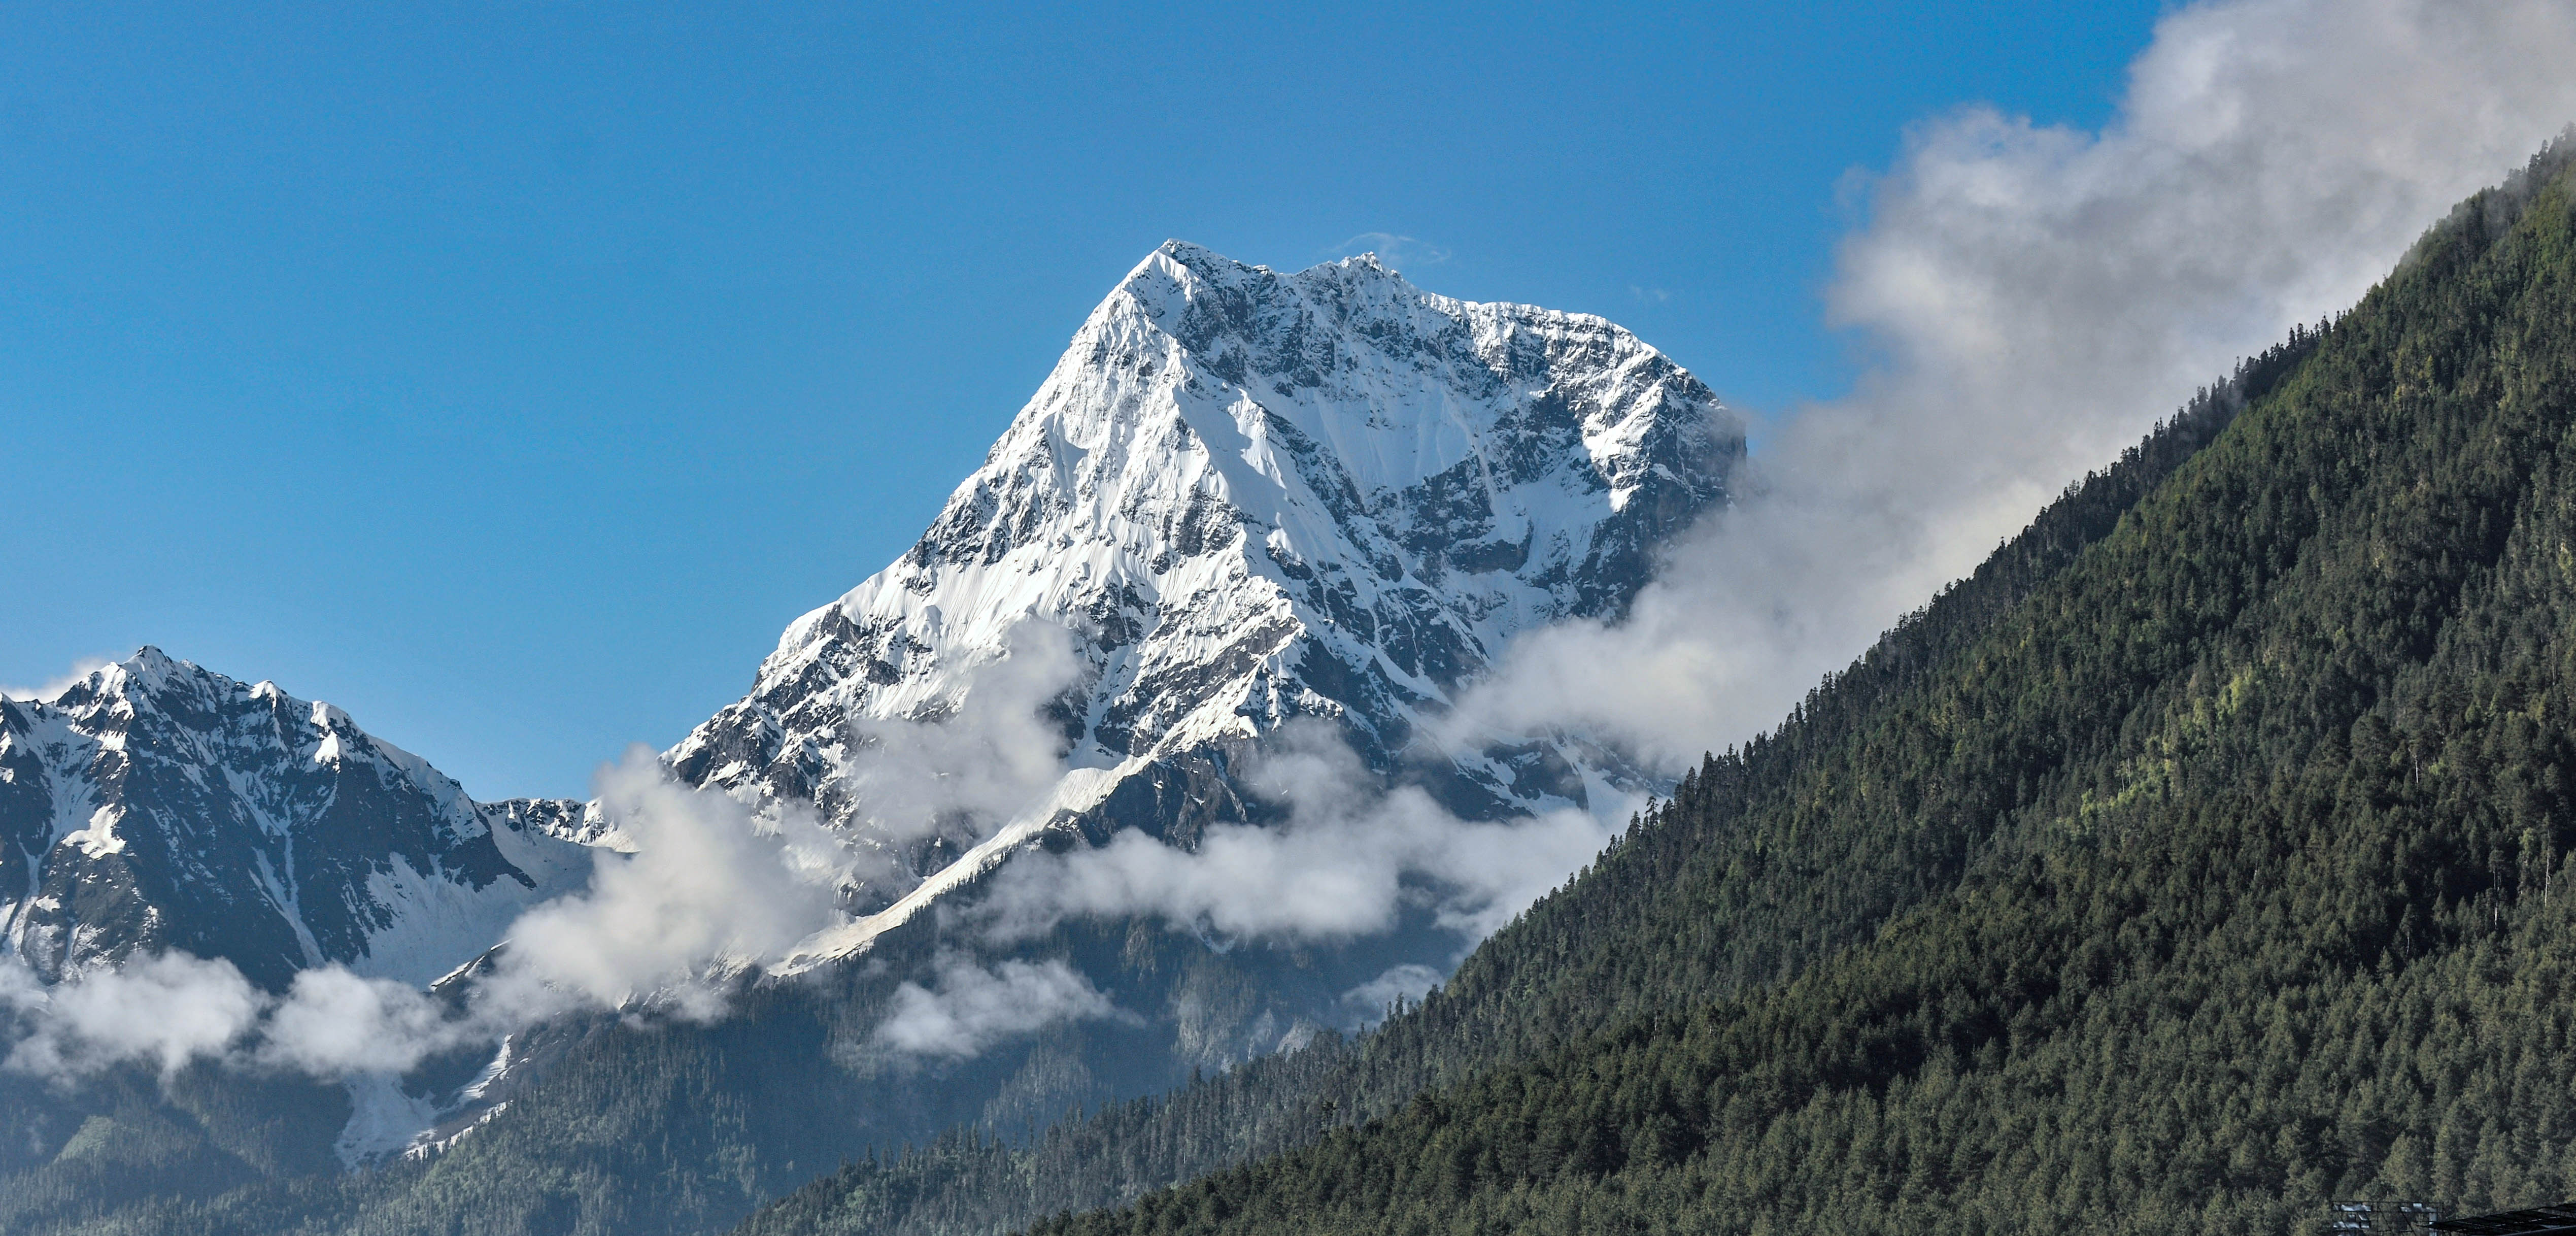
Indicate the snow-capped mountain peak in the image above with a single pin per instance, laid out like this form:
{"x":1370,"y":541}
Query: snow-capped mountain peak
{"x":1248,"y":497}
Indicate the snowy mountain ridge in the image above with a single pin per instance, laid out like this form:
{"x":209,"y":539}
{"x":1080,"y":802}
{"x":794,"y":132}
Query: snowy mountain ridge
{"x":157,"y":805}
{"x":1243,"y":501}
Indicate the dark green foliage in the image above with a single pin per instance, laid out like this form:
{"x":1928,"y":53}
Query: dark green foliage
{"x":2223,"y":865}
{"x":133,"y":1134}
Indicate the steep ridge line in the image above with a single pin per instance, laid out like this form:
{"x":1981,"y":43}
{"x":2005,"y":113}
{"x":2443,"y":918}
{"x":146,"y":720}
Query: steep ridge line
{"x":158,"y":805}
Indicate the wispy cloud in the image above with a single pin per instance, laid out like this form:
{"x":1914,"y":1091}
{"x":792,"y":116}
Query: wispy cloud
{"x":2040,"y":296}
{"x":51,"y":687}
{"x":711,"y":886}
{"x":1346,"y":859}
{"x":1397,"y":252}
{"x":1401,"y":982}
{"x":968,"y":1007}
{"x":163,"y":1010}
{"x":966,"y":774}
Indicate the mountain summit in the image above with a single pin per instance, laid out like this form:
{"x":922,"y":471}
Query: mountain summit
{"x":1250,"y":497}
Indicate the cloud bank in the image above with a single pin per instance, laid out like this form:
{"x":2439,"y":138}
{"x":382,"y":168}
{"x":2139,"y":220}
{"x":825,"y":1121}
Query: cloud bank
{"x":710,"y":889}
{"x":2034,"y":299}
{"x":1344,"y":862}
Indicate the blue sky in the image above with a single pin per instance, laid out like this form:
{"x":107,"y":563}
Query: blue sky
{"x":510,"y":375}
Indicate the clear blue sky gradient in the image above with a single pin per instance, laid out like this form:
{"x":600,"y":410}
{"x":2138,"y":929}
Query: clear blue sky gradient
{"x":510,"y":375}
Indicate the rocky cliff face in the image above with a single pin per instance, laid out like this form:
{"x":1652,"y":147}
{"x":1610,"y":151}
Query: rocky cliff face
{"x":155,"y":805}
{"x":1247,"y":497}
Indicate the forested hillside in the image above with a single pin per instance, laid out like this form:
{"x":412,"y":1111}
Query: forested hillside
{"x":2255,"y":812}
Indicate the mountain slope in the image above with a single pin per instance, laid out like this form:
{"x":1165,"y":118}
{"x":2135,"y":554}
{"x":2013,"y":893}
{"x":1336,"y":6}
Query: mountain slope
{"x":2257,"y":811}
{"x":155,"y":805}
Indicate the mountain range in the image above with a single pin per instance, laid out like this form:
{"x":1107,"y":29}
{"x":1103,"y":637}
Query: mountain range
{"x":2188,"y":865}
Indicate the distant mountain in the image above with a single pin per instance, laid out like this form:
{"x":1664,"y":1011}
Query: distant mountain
{"x":1250,"y":497}
{"x":155,"y":805}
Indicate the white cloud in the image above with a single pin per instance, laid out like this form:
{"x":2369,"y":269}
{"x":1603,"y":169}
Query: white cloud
{"x":334,"y":1023}
{"x":1402,"y":982}
{"x":710,"y":887}
{"x":56,"y":685}
{"x":171,"y":1009}
{"x":1396,"y":252}
{"x":1344,"y":863}
{"x":2037,"y":298}
{"x":165,"y":1010}
{"x":972,"y":1007}
{"x":971,"y":771}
